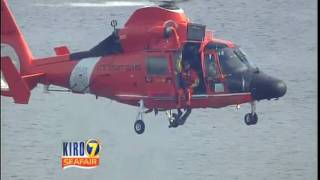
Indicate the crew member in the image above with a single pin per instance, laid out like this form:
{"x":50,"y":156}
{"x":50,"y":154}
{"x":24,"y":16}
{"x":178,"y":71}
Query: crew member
{"x":188,"y":79}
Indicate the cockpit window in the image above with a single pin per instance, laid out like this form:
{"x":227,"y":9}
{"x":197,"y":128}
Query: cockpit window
{"x":242,"y":55}
{"x":232,"y":61}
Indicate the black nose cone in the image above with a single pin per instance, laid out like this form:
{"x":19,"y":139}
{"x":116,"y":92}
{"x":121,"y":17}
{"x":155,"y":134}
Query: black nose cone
{"x":279,"y":88}
{"x":266,"y":87}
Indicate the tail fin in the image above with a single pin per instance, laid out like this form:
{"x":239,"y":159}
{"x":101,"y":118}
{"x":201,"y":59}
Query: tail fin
{"x":16,"y":87}
{"x":13,"y":44}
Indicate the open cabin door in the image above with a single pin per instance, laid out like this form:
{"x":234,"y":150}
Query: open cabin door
{"x":160,"y":84}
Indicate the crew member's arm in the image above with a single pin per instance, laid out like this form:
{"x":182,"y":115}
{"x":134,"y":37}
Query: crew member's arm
{"x":195,"y":79}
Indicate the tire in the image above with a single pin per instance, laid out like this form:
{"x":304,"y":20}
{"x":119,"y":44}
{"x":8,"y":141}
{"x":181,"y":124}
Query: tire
{"x":251,"y":119}
{"x":139,"y":126}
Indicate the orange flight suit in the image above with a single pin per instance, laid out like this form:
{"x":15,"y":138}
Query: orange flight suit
{"x":190,"y":80}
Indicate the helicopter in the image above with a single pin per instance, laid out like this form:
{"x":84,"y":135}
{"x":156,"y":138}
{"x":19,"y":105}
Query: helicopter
{"x":137,"y":65}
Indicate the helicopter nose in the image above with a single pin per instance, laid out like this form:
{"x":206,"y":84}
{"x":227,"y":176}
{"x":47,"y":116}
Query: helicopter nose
{"x":267,"y":87}
{"x":280,"y":88}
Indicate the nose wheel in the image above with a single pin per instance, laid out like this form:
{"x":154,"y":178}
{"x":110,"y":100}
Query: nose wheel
{"x":251,"y":118}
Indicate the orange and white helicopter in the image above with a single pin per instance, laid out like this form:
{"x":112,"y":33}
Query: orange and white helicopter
{"x":139,"y":65}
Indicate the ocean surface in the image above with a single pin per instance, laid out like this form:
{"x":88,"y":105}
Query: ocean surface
{"x":280,"y":37}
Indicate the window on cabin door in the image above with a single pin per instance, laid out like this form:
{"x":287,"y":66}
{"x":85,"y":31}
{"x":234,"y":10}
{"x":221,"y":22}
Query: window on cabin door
{"x":159,"y":80}
{"x":213,"y":73}
{"x":210,"y":65}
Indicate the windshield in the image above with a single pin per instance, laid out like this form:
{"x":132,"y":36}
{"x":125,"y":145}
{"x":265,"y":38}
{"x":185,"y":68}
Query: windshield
{"x":243,"y":56}
{"x":233,"y":60}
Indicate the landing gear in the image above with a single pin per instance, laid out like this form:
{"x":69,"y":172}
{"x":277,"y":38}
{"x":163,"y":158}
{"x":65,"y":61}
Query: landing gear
{"x":139,"y":125}
{"x":175,"y":119}
{"x":251,"y":118}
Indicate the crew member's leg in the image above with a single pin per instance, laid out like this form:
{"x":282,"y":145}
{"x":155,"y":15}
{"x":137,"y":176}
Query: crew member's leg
{"x":180,"y":95}
{"x":181,"y":90}
{"x":189,"y":96}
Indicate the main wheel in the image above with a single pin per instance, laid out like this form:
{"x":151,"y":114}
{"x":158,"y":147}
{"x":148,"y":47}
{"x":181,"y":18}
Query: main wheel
{"x":251,"y":119}
{"x":139,"y":126}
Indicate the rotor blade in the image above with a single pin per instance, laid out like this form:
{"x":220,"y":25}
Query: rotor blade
{"x":104,"y":4}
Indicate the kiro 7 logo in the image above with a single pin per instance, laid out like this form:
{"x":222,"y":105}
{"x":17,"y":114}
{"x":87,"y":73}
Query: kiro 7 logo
{"x":80,"y":154}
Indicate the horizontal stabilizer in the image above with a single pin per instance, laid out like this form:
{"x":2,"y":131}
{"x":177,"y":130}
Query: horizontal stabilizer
{"x":62,"y":50}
